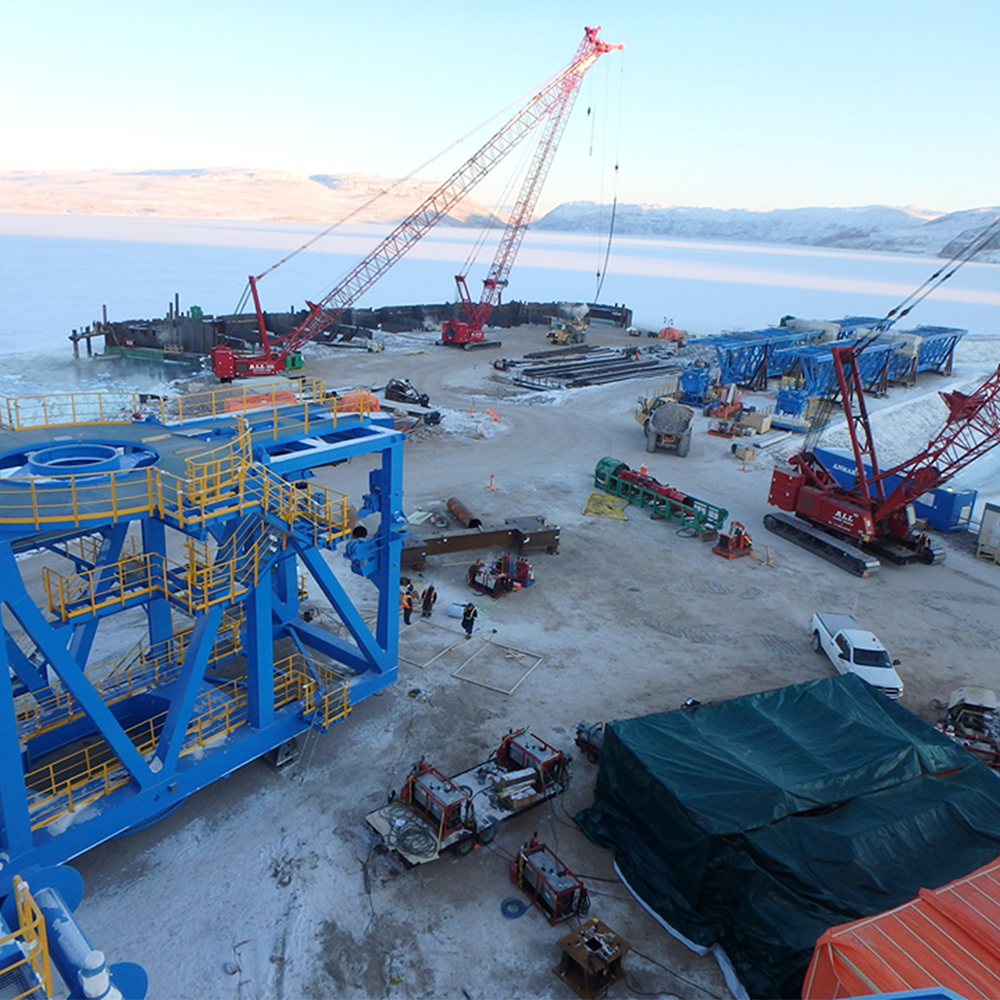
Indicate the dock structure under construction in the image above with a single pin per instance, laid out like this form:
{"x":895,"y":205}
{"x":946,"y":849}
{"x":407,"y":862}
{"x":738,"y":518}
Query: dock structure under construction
{"x":199,"y":510}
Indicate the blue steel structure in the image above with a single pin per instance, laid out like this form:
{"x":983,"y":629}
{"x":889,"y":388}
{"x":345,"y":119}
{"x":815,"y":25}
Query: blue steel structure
{"x":928,"y":349}
{"x":749,"y":359}
{"x":198,"y":511}
{"x":814,"y":368}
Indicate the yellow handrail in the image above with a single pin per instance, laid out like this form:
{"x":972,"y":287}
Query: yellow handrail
{"x":138,"y":671}
{"x":68,"y":408}
{"x":94,"y":771}
{"x":32,"y":932}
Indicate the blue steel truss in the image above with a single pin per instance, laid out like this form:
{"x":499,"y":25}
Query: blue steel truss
{"x":90,"y":750}
{"x":929,"y":349}
{"x":814,"y":367}
{"x":750,"y":359}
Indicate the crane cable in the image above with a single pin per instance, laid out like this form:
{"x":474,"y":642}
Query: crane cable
{"x":942,"y":274}
{"x":527,"y":154}
{"x":518,"y":101}
{"x":603,"y":270}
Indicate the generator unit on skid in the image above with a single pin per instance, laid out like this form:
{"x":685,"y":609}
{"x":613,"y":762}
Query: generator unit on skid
{"x":553,"y":888}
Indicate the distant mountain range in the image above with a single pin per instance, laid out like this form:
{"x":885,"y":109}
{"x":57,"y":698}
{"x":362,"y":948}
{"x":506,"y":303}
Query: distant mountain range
{"x":874,"y":227}
{"x":225,"y":193}
{"x":271,"y":195}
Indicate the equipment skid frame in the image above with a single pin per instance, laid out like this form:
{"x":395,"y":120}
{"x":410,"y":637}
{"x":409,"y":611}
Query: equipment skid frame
{"x":199,"y":513}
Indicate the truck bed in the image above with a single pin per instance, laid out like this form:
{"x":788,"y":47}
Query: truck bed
{"x":834,"y":622}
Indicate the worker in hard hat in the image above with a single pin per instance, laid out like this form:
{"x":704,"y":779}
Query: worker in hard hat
{"x":406,"y":602}
{"x":469,"y":619}
{"x":428,"y":599}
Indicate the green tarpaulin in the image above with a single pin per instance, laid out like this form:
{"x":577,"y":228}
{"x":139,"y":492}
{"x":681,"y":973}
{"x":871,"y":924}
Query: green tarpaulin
{"x":755,"y":824}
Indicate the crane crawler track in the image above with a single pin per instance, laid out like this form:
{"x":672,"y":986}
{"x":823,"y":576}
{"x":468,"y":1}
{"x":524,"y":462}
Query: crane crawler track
{"x":841,"y":554}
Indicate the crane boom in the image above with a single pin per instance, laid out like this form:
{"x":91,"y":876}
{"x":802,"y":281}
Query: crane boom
{"x":875,"y":509}
{"x":520,"y":217}
{"x":227,"y":363}
{"x":971,"y":429}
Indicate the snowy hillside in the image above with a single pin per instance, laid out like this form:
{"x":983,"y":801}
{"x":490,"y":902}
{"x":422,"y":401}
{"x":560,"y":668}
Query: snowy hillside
{"x":225,"y":193}
{"x":272,"y":195}
{"x":874,"y":227}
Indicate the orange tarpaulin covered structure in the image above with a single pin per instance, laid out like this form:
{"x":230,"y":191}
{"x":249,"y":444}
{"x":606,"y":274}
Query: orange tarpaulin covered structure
{"x":946,"y":937}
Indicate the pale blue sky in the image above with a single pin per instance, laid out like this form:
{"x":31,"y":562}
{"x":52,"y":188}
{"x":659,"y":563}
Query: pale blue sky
{"x":753,"y":105}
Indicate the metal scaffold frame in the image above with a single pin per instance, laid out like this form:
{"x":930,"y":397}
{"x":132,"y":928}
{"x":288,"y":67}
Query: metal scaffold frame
{"x":199,"y":512}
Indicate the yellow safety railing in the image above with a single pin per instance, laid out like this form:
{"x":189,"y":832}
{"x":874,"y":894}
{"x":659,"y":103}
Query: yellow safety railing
{"x":219,"y":488}
{"x":81,"y":777}
{"x":138,"y":671}
{"x":88,"y":547}
{"x":32,"y":939}
{"x":225,"y":400}
{"x":64,"y":785}
{"x":272,"y":399}
{"x":332,"y":704}
{"x":66,"y":408}
{"x":79,"y":500}
{"x":111,"y":585}
{"x":301,"y":506}
{"x":218,"y":483}
{"x":63,"y":408}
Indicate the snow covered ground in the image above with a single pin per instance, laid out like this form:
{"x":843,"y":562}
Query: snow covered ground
{"x":63,"y":269}
{"x":267,"y":884}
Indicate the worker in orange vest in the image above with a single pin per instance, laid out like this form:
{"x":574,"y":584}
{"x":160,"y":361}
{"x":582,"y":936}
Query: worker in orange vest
{"x":406,"y":601}
{"x":428,"y":598}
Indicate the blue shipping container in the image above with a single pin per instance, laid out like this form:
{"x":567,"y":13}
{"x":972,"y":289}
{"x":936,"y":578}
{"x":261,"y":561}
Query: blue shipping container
{"x":944,"y":509}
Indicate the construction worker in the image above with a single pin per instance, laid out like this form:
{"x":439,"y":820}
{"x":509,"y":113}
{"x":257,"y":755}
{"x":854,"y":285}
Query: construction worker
{"x":469,"y":619}
{"x":406,"y":601}
{"x":428,"y":598}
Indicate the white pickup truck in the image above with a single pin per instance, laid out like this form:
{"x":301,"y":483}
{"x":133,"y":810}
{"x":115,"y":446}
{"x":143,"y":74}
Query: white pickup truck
{"x":853,"y":650}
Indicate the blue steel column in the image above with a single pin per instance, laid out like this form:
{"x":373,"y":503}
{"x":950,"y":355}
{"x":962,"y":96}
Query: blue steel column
{"x":19,"y":601}
{"x":187,"y":687}
{"x":286,"y":588}
{"x":259,"y":646}
{"x":15,"y":823}
{"x":34,"y":677}
{"x":389,"y":482}
{"x":82,"y":641}
{"x":370,"y":654}
{"x":154,"y":539}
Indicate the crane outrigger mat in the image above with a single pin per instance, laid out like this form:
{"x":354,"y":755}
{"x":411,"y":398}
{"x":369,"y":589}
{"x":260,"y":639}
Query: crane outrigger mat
{"x":755,"y":824}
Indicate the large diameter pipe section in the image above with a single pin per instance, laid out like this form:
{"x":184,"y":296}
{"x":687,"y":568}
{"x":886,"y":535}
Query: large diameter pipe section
{"x":57,"y":892}
{"x":461,"y":514}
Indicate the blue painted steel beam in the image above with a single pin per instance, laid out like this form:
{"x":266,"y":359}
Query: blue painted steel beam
{"x":130,"y":806}
{"x":158,"y":615}
{"x":259,"y":646}
{"x":110,"y":552}
{"x":23,"y":608}
{"x":15,"y":823}
{"x":270,"y":606}
{"x":34,"y":677}
{"x":187,"y":687}
{"x":370,"y":654}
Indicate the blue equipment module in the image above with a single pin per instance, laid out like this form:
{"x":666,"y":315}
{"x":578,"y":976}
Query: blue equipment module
{"x":944,"y":509}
